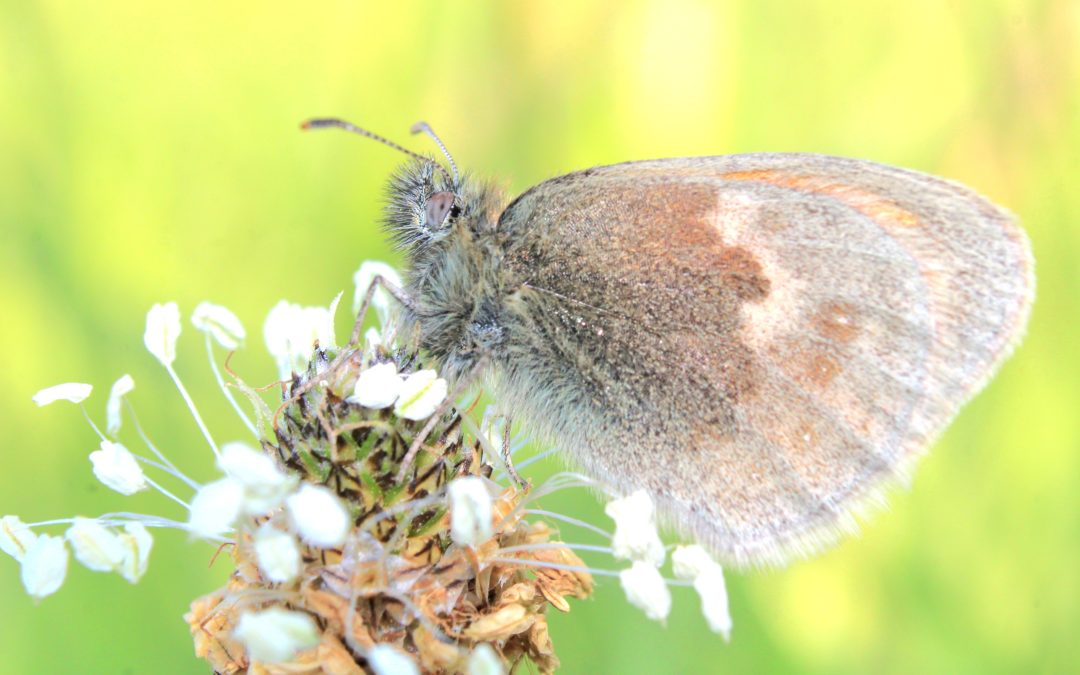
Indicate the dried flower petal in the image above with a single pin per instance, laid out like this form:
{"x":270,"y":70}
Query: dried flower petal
{"x":433,"y":654}
{"x":117,"y":468}
{"x":75,"y":392}
{"x":125,"y":385}
{"x":275,"y":635}
{"x":385,"y":660}
{"x":635,"y":529}
{"x":319,"y":516}
{"x":508,"y":620}
{"x":220,"y":323}
{"x":377,"y":386}
{"x":277,"y":554}
{"x":45,"y":566}
{"x":95,"y":546}
{"x":215,"y":508}
{"x":137,"y":543}
{"x":645,"y":589}
{"x":162,"y":330}
{"x":421,"y":395}
{"x":470,"y":511}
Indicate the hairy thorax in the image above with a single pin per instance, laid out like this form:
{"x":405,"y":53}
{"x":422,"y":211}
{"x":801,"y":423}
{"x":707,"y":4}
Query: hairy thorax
{"x":456,"y":280}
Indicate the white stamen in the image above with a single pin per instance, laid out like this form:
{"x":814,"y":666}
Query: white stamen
{"x":291,"y":331}
{"x":377,"y":386}
{"x":162,"y":490}
{"x":385,"y":660}
{"x":573,"y":521}
{"x":191,"y":408}
{"x":694,"y":563}
{"x":331,"y":338}
{"x":484,"y":661}
{"x":645,"y":589}
{"x":125,"y":385}
{"x":215,"y":508}
{"x":318,"y":515}
{"x":95,"y":546}
{"x":555,"y":545}
{"x":635,"y":529}
{"x":220,"y":323}
{"x":162,"y":330}
{"x":45,"y":566}
{"x":75,"y":392}
{"x":421,"y":395}
{"x":137,"y":543}
{"x":89,"y":421}
{"x":470,"y":511}
{"x":714,"y":603}
{"x":277,"y":554}
{"x":265,"y":485}
{"x":116,"y":467}
{"x":275,"y":635}
{"x":16,"y":537}
{"x":171,"y":468}
{"x":687,"y":562}
{"x":279,"y":334}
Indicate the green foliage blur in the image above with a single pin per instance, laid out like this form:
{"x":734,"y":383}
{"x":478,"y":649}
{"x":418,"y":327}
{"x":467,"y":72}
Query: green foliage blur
{"x":150,"y":152}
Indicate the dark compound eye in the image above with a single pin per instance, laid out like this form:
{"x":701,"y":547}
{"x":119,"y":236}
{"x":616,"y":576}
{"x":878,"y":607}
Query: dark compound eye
{"x":438,"y":207}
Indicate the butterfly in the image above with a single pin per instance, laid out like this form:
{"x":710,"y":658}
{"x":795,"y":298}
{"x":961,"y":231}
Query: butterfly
{"x":761,"y":342}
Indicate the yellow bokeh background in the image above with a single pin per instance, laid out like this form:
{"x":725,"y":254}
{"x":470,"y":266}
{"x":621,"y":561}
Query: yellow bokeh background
{"x":150,"y":152}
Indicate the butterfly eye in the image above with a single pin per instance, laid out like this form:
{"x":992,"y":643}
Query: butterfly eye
{"x":438,"y":207}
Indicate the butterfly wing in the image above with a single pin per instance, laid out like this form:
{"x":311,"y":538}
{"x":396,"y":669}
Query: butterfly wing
{"x":759,"y":341}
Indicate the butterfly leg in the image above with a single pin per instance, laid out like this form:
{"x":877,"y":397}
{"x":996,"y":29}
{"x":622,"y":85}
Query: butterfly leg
{"x":508,"y":461}
{"x":397,"y":293}
{"x":425,"y":431}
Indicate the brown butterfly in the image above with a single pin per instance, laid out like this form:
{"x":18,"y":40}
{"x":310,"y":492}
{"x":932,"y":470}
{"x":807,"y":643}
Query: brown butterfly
{"x":761,"y":342}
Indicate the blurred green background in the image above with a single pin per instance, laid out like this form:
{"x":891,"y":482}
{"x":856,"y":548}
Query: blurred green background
{"x":149,"y":151}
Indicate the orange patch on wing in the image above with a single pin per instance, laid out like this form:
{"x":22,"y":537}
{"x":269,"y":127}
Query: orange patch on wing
{"x":877,"y":208}
{"x":675,"y":222}
{"x":836,"y":321}
{"x":821,"y":369}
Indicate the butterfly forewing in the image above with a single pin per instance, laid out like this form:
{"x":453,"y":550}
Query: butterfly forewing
{"x":769,"y":337}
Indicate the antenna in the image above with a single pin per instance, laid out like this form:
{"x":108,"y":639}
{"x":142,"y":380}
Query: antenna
{"x":425,"y":128}
{"x":347,"y":126}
